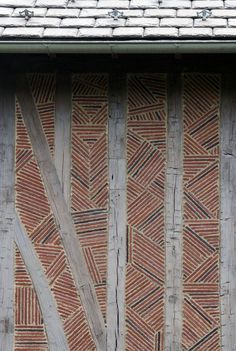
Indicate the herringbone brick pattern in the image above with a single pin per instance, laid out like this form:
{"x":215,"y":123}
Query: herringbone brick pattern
{"x":90,"y":175}
{"x":201,"y":213}
{"x":146,"y":156}
{"x":30,"y":333}
{"x":35,"y":214}
{"x":146,"y":163}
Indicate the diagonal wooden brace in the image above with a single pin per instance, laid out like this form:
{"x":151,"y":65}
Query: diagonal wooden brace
{"x":61,"y":213}
{"x":56,"y":336}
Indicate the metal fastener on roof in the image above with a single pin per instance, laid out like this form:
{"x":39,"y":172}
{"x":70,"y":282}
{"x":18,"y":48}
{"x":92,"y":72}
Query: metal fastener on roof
{"x":116,"y":14}
{"x":204,"y":14}
{"x":26,"y":13}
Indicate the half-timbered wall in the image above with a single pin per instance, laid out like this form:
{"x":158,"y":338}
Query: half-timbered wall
{"x":122,"y":197}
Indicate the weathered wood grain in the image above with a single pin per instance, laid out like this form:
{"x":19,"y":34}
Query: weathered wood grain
{"x":7,"y":212}
{"x":54,"y":328}
{"x":228,"y":213}
{"x":173,"y":215}
{"x":61,"y":213}
{"x":117,"y":213}
{"x":63,"y":132}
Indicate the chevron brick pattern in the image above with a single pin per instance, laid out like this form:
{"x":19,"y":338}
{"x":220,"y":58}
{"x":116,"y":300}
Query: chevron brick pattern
{"x":146,"y":156}
{"x":36,"y":216}
{"x":201,"y":213}
{"x":90,"y":175}
{"x":146,"y":164}
{"x":30,"y":333}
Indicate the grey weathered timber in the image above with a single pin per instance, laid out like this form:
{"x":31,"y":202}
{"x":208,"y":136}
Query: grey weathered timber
{"x":7,"y":212}
{"x":228,"y":213}
{"x":56,"y":337}
{"x":63,"y":132}
{"x":117,"y":213}
{"x":173,"y":215}
{"x":61,"y":213}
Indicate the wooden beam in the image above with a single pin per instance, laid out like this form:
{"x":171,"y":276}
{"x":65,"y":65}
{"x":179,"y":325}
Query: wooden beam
{"x":63,"y":132}
{"x":174,"y":215}
{"x":61,"y":213}
{"x":117,"y":212}
{"x":228,"y":213}
{"x":7,"y":211}
{"x":151,"y":63}
{"x":56,"y":337}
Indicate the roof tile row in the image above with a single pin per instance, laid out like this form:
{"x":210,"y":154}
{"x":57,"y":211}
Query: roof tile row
{"x":120,"y":32}
{"x":136,"y":19}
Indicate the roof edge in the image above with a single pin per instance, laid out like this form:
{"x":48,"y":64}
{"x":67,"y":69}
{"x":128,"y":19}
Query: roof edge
{"x":118,"y":47}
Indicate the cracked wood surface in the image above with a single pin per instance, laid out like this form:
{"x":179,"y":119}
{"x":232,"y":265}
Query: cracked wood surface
{"x":60,"y":210}
{"x":7,"y":212}
{"x":228,"y":217}
{"x":173,"y":215}
{"x":63,"y":132}
{"x":54,"y":328}
{"x":117,"y":213}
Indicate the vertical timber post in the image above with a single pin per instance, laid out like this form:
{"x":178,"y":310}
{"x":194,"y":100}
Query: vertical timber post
{"x":7,"y":211}
{"x":228,"y":213}
{"x":117,"y":212}
{"x":63,"y":131}
{"x":173,"y":216}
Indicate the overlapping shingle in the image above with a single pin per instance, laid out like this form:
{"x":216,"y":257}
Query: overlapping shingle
{"x":139,"y":19}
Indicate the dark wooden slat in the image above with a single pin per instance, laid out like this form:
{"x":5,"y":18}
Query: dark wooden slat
{"x":228,"y":213}
{"x":171,"y":63}
{"x":7,"y":211}
{"x":61,"y":213}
